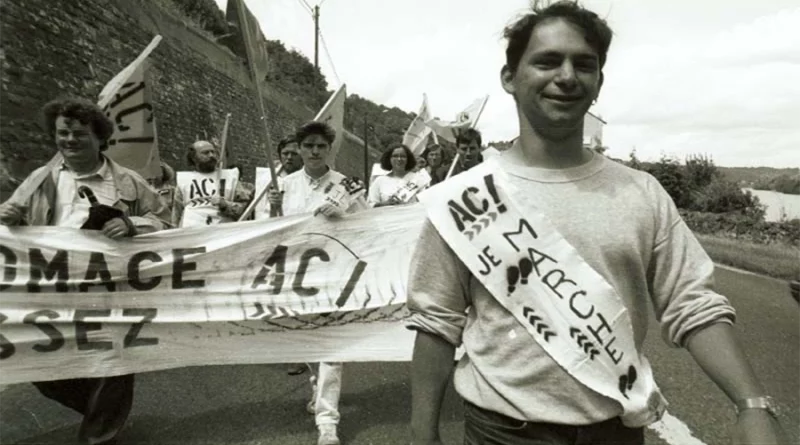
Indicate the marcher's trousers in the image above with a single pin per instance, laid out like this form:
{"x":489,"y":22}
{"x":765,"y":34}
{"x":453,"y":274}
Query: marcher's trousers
{"x":105,"y":403}
{"x":329,"y":388}
{"x":484,"y":427}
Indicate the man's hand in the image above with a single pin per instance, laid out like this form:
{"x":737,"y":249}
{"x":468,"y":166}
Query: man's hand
{"x":757,"y":427}
{"x":329,"y":210}
{"x":275,"y":197}
{"x":11,"y":214}
{"x":116,"y":228}
{"x":221,"y":203}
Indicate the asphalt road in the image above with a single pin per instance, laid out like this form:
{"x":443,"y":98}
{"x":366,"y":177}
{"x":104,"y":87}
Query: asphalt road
{"x":263,"y":405}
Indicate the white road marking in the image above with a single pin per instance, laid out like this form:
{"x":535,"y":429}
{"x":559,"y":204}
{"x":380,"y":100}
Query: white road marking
{"x":674,"y":432}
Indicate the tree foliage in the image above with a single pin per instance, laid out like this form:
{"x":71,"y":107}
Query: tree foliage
{"x":698,"y":186}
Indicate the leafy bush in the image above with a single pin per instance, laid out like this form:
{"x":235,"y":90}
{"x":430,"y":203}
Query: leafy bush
{"x":721,"y":196}
{"x":742,"y":226}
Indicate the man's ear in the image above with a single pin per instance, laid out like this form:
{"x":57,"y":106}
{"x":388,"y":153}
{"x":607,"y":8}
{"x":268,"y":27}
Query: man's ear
{"x":600,"y":84}
{"x":507,"y":79}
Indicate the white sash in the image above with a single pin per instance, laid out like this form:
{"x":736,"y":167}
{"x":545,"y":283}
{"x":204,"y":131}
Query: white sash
{"x":198,"y":189}
{"x":418,"y":182}
{"x":564,"y":304}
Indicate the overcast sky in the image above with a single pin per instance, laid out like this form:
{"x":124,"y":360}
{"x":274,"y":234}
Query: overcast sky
{"x":716,"y":77}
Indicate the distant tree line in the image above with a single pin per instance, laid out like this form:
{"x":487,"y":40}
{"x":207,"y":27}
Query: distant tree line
{"x":789,"y":184}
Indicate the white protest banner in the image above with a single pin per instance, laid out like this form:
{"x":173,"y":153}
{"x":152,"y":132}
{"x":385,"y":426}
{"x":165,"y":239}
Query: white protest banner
{"x":293,"y":289}
{"x":416,"y":136}
{"x":332,"y":113}
{"x":566,"y":306}
{"x":198,"y":189}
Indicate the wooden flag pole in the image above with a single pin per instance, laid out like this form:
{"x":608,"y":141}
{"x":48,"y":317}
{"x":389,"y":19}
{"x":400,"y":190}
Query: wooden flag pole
{"x":221,"y":163}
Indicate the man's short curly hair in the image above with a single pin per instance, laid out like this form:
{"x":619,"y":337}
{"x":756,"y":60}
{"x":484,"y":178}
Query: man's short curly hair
{"x":82,"y":110}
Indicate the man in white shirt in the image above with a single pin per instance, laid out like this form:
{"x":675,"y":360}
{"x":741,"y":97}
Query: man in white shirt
{"x":319,"y":189}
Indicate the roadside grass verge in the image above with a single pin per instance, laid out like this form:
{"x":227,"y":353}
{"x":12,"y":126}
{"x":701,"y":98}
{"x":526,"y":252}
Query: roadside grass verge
{"x":774,"y":260}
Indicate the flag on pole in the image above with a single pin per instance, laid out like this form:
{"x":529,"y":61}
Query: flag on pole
{"x":127,"y":101}
{"x":416,"y":136}
{"x":133,"y":143}
{"x":465,"y":119}
{"x":246,"y":34}
{"x":332,"y":113}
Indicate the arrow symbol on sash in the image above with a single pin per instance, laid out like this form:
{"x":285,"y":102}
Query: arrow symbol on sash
{"x":469,"y":234}
{"x":476,"y":228}
{"x":526,"y":310}
{"x":582,"y":340}
{"x":536,"y":322}
{"x":485,"y":221}
{"x":492,"y":215}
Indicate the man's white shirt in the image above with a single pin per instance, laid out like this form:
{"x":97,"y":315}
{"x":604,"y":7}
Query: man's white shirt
{"x":71,"y":210}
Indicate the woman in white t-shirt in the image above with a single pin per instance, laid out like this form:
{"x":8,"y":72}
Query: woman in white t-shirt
{"x":400,"y":162}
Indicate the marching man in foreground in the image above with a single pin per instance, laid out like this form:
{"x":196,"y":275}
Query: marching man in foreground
{"x":542,"y":262}
{"x":319,"y":189}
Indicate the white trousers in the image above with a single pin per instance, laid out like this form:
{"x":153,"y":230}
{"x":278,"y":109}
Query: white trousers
{"x":326,"y":399}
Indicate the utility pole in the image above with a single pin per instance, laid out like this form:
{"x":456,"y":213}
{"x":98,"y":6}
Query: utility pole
{"x":316,"y":36}
{"x":366,"y":155}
